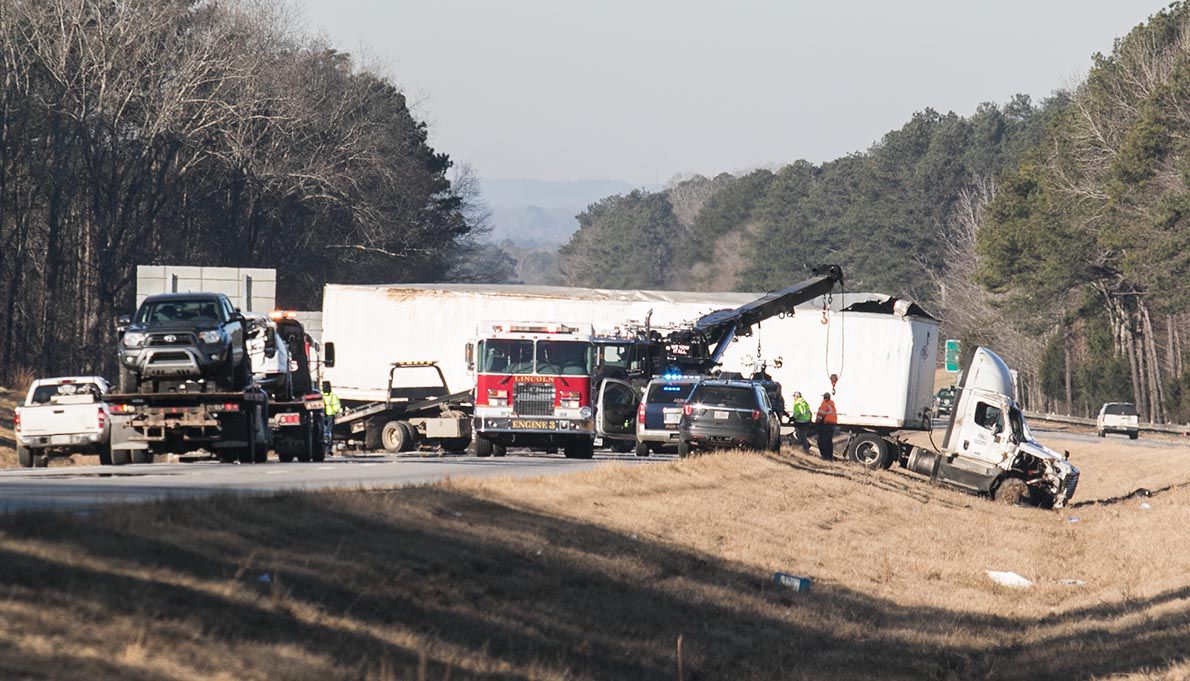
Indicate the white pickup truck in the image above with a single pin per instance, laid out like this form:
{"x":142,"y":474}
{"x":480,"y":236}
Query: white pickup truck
{"x":63,"y":416}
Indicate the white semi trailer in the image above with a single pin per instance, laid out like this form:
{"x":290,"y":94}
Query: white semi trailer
{"x":876,"y":353}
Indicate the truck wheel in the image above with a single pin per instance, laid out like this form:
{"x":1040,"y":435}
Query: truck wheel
{"x":775,"y":441}
{"x":642,"y":448}
{"x":395,"y":437}
{"x":871,"y":451}
{"x":483,"y":446}
{"x":579,"y":449}
{"x":499,"y":449}
{"x":121,"y":457}
{"x":105,"y":454}
{"x":683,"y":449}
{"x":1133,"y":436}
{"x":24,"y":456}
{"x":287,"y":457}
{"x":127,"y":380}
{"x":1010,"y":491}
{"x":141,"y":456}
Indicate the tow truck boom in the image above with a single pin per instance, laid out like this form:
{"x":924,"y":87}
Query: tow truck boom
{"x":716,"y":330}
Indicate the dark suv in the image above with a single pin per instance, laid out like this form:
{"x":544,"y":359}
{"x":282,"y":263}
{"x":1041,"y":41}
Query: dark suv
{"x":728,"y":413}
{"x":179,"y":337}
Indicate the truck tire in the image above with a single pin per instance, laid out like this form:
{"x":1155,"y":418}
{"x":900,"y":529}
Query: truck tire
{"x":395,"y":437}
{"x":1010,"y":491}
{"x":775,"y":441}
{"x":1133,"y":436}
{"x":105,"y":454}
{"x":287,"y":457}
{"x":121,"y":457}
{"x":499,"y":449}
{"x":683,"y":449}
{"x":582,"y":448}
{"x":642,"y":448}
{"x":483,"y":446}
{"x":127,"y":380}
{"x":24,"y":456}
{"x":141,"y":456}
{"x":871,"y":451}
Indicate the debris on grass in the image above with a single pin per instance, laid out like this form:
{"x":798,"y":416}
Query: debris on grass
{"x":1009,"y":579}
{"x":792,"y":582}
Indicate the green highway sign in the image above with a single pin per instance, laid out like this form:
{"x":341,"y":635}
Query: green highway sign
{"x":953,"y":352}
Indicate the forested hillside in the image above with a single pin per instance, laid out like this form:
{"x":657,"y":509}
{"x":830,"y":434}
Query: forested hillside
{"x":879,"y":213}
{"x":1056,"y":232}
{"x":1086,"y":245}
{"x":171,"y":131}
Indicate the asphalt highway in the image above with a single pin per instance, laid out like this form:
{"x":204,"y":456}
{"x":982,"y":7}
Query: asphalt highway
{"x":82,"y":488}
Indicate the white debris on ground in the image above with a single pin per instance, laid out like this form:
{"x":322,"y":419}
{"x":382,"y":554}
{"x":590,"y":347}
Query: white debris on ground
{"x":1009,"y":579}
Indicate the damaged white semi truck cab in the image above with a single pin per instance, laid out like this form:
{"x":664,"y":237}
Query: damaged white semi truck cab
{"x":988,"y":447}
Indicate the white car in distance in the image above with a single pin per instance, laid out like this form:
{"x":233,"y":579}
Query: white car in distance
{"x":1118,"y":417}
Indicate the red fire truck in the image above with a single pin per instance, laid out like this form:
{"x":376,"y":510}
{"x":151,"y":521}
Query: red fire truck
{"x":533,"y":388}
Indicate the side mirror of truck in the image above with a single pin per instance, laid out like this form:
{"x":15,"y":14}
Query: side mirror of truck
{"x":469,"y":355}
{"x":123,"y":321}
{"x":236,"y":316}
{"x":328,"y":354}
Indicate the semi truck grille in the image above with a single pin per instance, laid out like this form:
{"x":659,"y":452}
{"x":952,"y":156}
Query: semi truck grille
{"x":534,"y":399}
{"x":1071,"y":485}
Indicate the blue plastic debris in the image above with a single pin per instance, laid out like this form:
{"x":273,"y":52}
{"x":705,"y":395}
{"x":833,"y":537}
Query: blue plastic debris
{"x":799,"y":584}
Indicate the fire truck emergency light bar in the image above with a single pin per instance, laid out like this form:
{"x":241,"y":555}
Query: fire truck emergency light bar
{"x":533,"y":328}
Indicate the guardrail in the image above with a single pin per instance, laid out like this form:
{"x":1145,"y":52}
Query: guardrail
{"x":1081,"y":421}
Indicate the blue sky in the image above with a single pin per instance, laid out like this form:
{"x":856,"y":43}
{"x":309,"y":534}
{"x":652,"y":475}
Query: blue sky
{"x":644,"y":90}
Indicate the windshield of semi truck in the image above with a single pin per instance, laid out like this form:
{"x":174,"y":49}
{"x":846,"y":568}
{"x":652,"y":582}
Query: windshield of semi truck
{"x":168,"y":311}
{"x":566,"y":358}
{"x":1017,"y":422}
{"x":500,"y":356}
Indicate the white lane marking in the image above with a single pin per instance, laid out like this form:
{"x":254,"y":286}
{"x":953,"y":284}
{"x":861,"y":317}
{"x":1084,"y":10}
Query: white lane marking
{"x":369,"y":464}
{"x":326,"y":468}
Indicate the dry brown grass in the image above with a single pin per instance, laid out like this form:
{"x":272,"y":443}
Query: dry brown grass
{"x":597,"y":575}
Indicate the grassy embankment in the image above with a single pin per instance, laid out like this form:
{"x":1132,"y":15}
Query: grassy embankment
{"x":599,"y":575}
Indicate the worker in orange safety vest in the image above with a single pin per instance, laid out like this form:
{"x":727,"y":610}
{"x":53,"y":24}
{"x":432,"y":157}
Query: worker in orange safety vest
{"x":827,"y":417}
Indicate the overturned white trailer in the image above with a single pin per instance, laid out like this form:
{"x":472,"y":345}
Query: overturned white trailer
{"x":881,"y":351}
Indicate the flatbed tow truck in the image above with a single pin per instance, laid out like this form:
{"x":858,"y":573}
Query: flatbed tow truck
{"x":232,"y":425}
{"x":410,"y":416}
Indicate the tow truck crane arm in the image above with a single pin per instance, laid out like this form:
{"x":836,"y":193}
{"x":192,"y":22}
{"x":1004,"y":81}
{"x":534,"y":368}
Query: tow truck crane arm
{"x":716,"y":330}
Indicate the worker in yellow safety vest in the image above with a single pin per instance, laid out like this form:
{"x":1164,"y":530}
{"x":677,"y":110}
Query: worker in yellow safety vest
{"x":331,"y":400}
{"x":802,"y":418}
